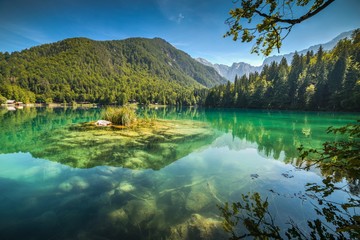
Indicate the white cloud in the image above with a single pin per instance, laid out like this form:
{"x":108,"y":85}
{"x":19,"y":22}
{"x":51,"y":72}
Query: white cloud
{"x":178,"y":19}
{"x":173,"y":11}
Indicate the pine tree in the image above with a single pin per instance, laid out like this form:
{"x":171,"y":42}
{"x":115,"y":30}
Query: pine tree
{"x":337,"y":74}
{"x":293,"y":79}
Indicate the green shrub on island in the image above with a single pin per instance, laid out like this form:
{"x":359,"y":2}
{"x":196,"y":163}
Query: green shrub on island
{"x":124,"y":116}
{"x":2,"y":99}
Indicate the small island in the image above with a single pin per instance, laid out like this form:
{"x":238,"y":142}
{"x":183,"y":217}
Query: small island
{"x":127,"y":140}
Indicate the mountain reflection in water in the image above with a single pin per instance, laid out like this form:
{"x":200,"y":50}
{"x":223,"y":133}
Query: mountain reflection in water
{"x":135,"y":185}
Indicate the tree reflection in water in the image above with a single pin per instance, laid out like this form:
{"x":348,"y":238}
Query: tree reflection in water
{"x":338,"y":160}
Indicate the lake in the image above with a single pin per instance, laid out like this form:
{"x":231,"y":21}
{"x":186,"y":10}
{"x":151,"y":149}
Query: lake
{"x":59,"y":182}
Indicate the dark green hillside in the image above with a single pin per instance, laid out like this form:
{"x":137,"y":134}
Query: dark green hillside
{"x":80,"y":69}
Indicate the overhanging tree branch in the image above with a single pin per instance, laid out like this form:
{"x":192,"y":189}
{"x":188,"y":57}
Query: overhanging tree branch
{"x":308,"y":15}
{"x":275,"y":25}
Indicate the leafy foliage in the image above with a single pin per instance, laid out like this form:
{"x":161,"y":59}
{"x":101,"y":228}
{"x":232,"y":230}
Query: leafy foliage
{"x":253,"y":213}
{"x":17,"y":93}
{"x":338,"y":158}
{"x":251,"y":218}
{"x":341,"y":218}
{"x":2,"y":99}
{"x":82,"y":70}
{"x":321,"y":81}
{"x":277,"y":19}
{"x":337,"y":220}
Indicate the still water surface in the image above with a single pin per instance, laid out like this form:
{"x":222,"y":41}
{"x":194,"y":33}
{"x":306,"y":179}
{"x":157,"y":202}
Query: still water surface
{"x":57,"y":182}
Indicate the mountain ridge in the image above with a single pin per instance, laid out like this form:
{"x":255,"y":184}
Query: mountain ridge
{"x":326,"y":47}
{"x":242,"y":68}
{"x":230,"y":72}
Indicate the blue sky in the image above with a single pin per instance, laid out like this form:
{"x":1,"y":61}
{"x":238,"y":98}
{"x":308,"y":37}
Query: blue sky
{"x":194,"y":26}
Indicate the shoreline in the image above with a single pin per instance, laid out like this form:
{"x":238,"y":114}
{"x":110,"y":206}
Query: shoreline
{"x":56,"y":105}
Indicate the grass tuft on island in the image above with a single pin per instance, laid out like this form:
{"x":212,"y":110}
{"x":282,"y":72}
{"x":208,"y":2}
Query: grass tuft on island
{"x":124,"y":116}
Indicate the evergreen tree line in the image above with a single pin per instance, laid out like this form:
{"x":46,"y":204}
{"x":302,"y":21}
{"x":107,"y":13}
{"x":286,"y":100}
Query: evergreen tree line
{"x":321,"y":81}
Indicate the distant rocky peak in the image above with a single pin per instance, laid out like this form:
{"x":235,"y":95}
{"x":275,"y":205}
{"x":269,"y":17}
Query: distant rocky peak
{"x":229,"y":72}
{"x":204,"y":62}
{"x":326,"y":47}
{"x":241,"y":68}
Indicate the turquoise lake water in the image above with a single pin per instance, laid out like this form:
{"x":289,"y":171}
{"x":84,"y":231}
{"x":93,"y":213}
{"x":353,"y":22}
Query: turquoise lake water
{"x":57,"y":182}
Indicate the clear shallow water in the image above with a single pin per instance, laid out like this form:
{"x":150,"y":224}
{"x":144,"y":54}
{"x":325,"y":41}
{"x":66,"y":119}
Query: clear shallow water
{"x":49,"y":190}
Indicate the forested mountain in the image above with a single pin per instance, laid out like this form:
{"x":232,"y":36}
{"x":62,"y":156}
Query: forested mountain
{"x":322,"y":81}
{"x":80,"y":69}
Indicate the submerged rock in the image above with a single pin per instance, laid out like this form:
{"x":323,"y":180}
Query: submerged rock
{"x":126,"y":187}
{"x":202,"y":196}
{"x":140,"y":211}
{"x":65,"y":186}
{"x":198,"y":200}
{"x":177,"y":198}
{"x":118,"y":217}
{"x":74,"y":183}
{"x":198,"y":227}
{"x":79,"y":183}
